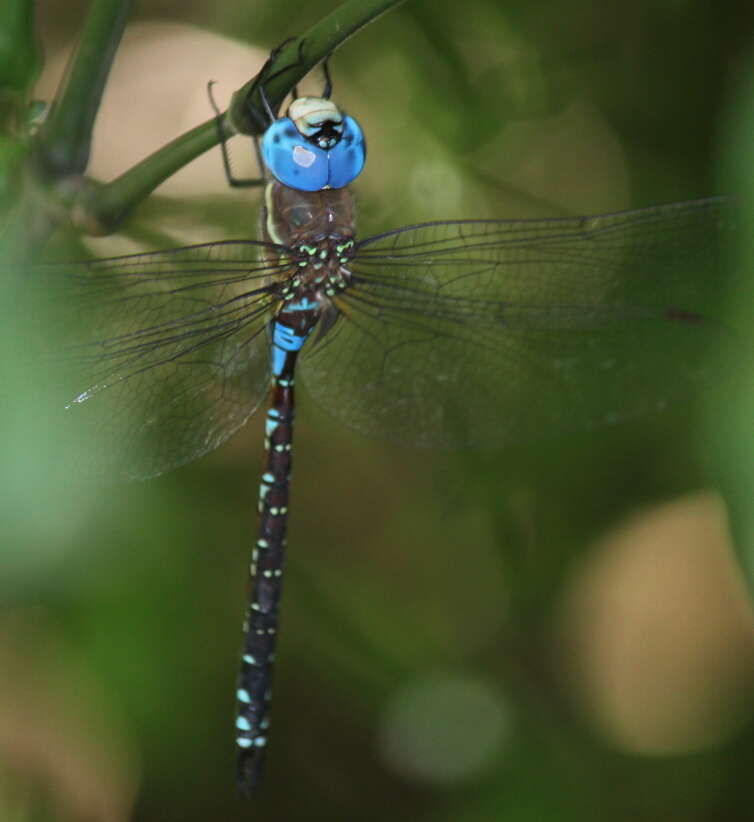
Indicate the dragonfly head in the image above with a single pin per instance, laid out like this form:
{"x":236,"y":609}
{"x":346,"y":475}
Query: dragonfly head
{"x":315,"y":147}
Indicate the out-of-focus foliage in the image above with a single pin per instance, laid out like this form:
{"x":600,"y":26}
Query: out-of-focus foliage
{"x":732,"y":443}
{"x":19,"y":56}
{"x":460,"y":639}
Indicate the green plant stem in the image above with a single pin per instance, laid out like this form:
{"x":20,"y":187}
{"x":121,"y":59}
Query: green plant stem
{"x":19,"y":55}
{"x":300,"y":56}
{"x":64,"y":141}
{"x":101,"y":207}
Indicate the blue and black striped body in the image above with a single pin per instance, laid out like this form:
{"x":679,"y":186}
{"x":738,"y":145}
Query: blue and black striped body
{"x":320,"y":225}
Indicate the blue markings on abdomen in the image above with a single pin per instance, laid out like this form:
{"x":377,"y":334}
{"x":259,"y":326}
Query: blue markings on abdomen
{"x":287,"y":339}
{"x":304,"y":304}
{"x":284,"y":340}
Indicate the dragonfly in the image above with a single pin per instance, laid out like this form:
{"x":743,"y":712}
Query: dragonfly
{"x":451,"y":333}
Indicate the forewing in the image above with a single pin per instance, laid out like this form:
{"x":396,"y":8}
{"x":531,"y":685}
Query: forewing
{"x":488,"y":332}
{"x":164,"y":354}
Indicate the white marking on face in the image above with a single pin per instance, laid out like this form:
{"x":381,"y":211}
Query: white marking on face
{"x":307,"y":112}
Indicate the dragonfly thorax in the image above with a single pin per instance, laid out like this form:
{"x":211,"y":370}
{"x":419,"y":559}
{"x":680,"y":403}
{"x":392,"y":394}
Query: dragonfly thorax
{"x":314,"y":233}
{"x":321,"y":271}
{"x":295,"y":219}
{"x":308,"y":292}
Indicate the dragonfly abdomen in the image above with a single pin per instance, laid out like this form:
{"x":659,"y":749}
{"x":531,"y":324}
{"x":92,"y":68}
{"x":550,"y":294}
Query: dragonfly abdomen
{"x":290,"y":330}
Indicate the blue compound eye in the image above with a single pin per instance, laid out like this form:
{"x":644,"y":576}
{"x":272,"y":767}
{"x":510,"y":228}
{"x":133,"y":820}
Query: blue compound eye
{"x":348,"y":156}
{"x":316,"y":147}
{"x":292,"y":159}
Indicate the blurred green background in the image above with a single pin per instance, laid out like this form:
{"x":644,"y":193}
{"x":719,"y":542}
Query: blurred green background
{"x":558,"y":631}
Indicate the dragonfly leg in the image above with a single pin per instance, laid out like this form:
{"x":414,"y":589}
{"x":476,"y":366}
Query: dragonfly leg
{"x":262,"y":122}
{"x":234,"y":182}
{"x":327,"y":90}
{"x":264,"y":78}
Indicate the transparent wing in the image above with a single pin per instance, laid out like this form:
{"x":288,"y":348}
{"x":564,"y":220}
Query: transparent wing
{"x":487,"y":332}
{"x":164,"y":354}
